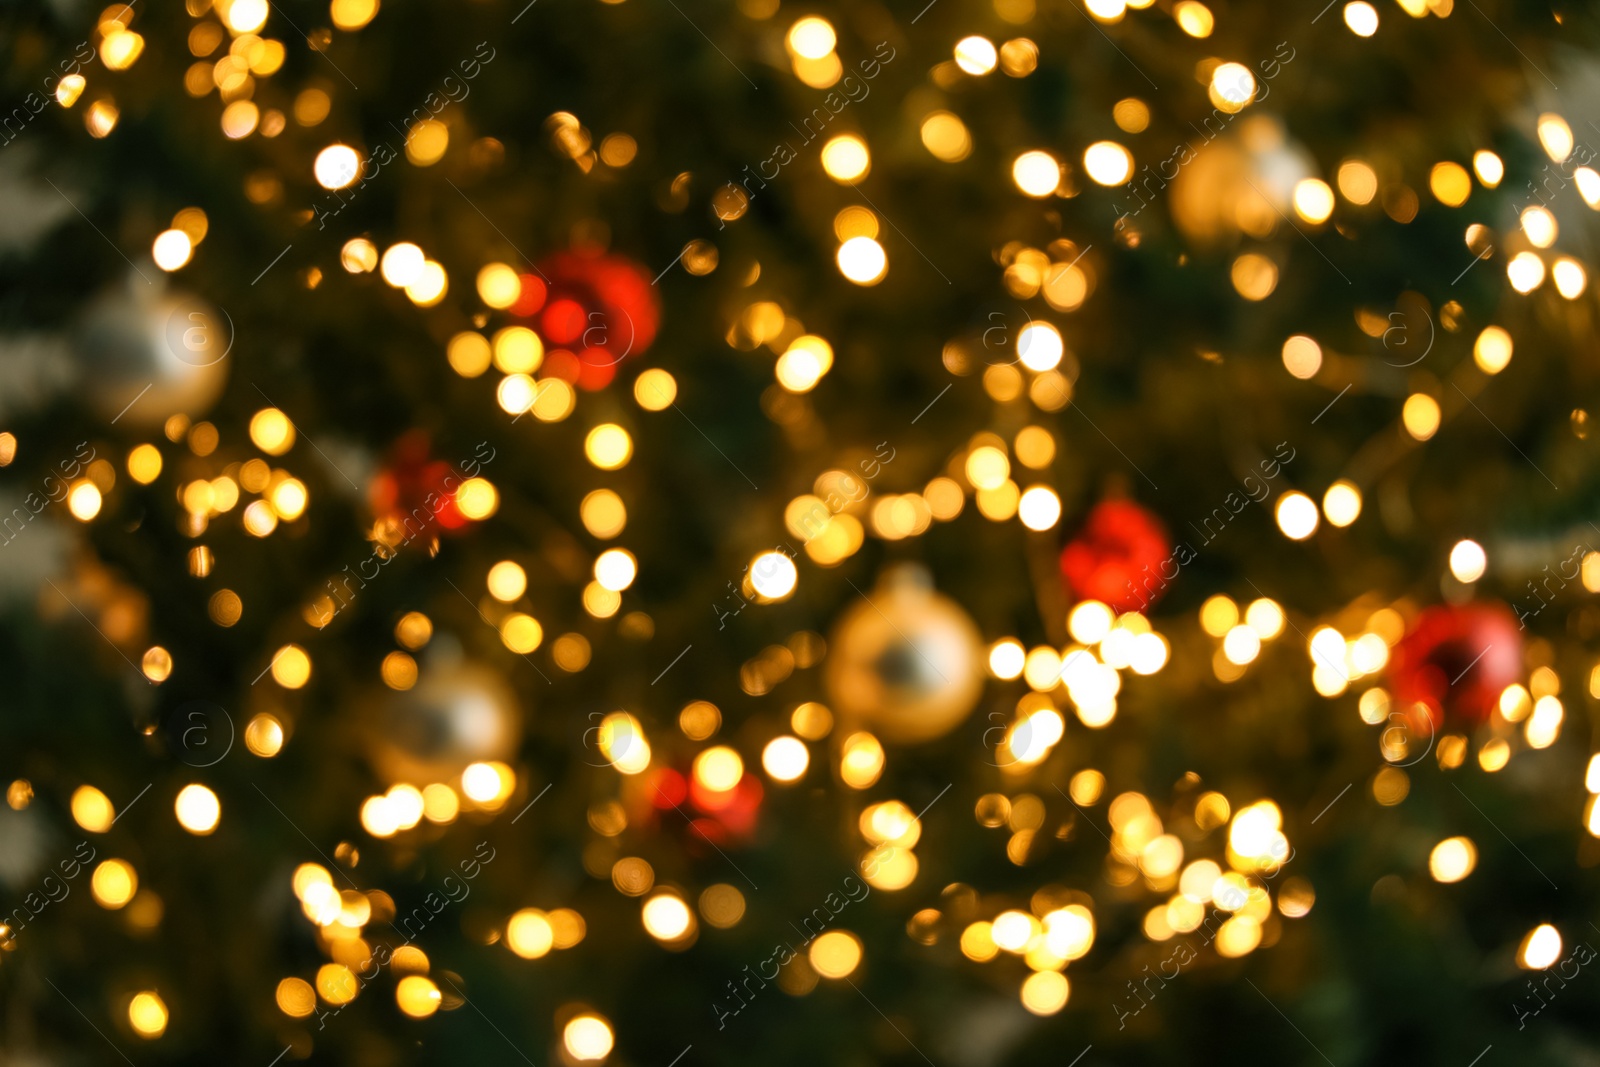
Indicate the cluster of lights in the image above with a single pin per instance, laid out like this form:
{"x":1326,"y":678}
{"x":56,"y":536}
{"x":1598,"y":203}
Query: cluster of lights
{"x":891,"y":828}
{"x":174,"y":247}
{"x":1104,"y":644}
{"x":1241,"y":633}
{"x":531,"y":933}
{"x":811,"y":42}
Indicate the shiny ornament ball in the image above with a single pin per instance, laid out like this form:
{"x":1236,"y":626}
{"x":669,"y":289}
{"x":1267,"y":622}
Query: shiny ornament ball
{"x":456,"y":715}
{"x":906,"y":662}
{"x":145,"y":354}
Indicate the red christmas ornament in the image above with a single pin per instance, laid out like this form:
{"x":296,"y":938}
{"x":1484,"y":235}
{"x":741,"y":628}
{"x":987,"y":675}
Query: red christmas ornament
{"x":415,"y":492}
{"x":1455,"y":663}
{"x":671,"y":798}
{"x":593,"y":311}
{"x":1118,"y":557}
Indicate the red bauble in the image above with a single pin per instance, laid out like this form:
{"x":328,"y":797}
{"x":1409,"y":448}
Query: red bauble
{"x":416,"y":491}
{"x":593,"y":311}
{"x":673,"y":800}
{"x":1455,"y":663}
{"x":1117,"y":557}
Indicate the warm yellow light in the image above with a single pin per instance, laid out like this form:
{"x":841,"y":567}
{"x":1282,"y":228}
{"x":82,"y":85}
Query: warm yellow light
{"x":608,"y":446}
{"x":1342,"y":503}
{"x":773,"y":575}
{"x":1570,"y":277}
{"x":507,"y":581}
{"x":1265,"y":617}
{"x":1361,"y":17}
{"x":655,"y":389}
{"x":1297,"y":515}
{"x":1492,"y":350}
{"x":1232,"y":87}
{"x":113,"y":884}
{"x":588,"y":1037}
{"x":1036,"y":173}
{"x":1556,"y":136}
{"x":1039,"y":508}
{"x":845,"y":159}
{"x":291,"y":667}
{"x":1421,"y":416}
{"x":811,"y":38}
{"x":1254,"y":276}
{"x":987,"y":467}
{"x":1452,"y":859}
{"x":499,"y":286}
{"x":861,"y":762}
{"x":263,"y":735}
{"x":517,"y":350}
{"x":529,"y":933}
{"x":1357,"y":181}
{"x":1039,"y":346}
{"x":1045,"y":992}
{"x":431,"y":285}
{"x":1450,"y":183}
{"x":1302,"y":356}
{"x":1539,"y":225}
{"x":402,"y":264}
{"x":91,"y":809}
{"x":946,"y":137}
{"x":198,"y":809}
{"x":863,"y":260}
{"x":171,"y":249}
{"x":1468,"y":561}
{"x":1108,"y":163}
{"x":147,"y":1013}
{"x":1241,"y":645}
{"x":1525,"y":272}
{"x":417,"y":996}
{"x":1540,"y":949}
{"x":477,"y":499}
{"x":1313,"y":199}
{"x":426,"y":142}
{"x":976,"y":55}
{"x":271,"y":431}
{"x":718,"y":769}
{"x":244,"y":16}
{"x":1006,"y":659}
{"x":83,"y":500}
{"x":1489,"y":168}
{"x":785,"y":759}
{"x":336,"y":166}
{"x":666,"y":917}
{"x":1194,"y":18}
{"x":615,"y":569}
{"x":835,"y":953}
{"x":359,"y":255}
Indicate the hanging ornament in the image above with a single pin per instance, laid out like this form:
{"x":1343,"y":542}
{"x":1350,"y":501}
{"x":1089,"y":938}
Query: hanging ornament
{"x":674,"y":801}
{"x":593,"y":311}
{"x":1454,"y":664}
{"x":415,"y":494}
{"x":905,"y":662}
{"x":1117,"y":557}
{"x":457,"y":714}
{"x":1239,"y":181}
{"x":145,"y":353}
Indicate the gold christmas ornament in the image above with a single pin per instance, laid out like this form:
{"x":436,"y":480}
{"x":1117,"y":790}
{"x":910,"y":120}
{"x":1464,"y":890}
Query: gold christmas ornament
{"x":905,"y":662}
{"x":456,"y":714}
{"x":1242,"y":181}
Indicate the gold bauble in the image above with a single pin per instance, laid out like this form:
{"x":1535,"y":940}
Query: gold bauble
{"x":457,"y":714}
{"x":905,"y":662}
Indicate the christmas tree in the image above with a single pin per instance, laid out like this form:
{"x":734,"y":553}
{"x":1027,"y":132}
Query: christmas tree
{"x":977,"y":533}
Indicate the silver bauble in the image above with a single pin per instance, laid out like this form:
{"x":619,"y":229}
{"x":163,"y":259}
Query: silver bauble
{"x":145,"y":353}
